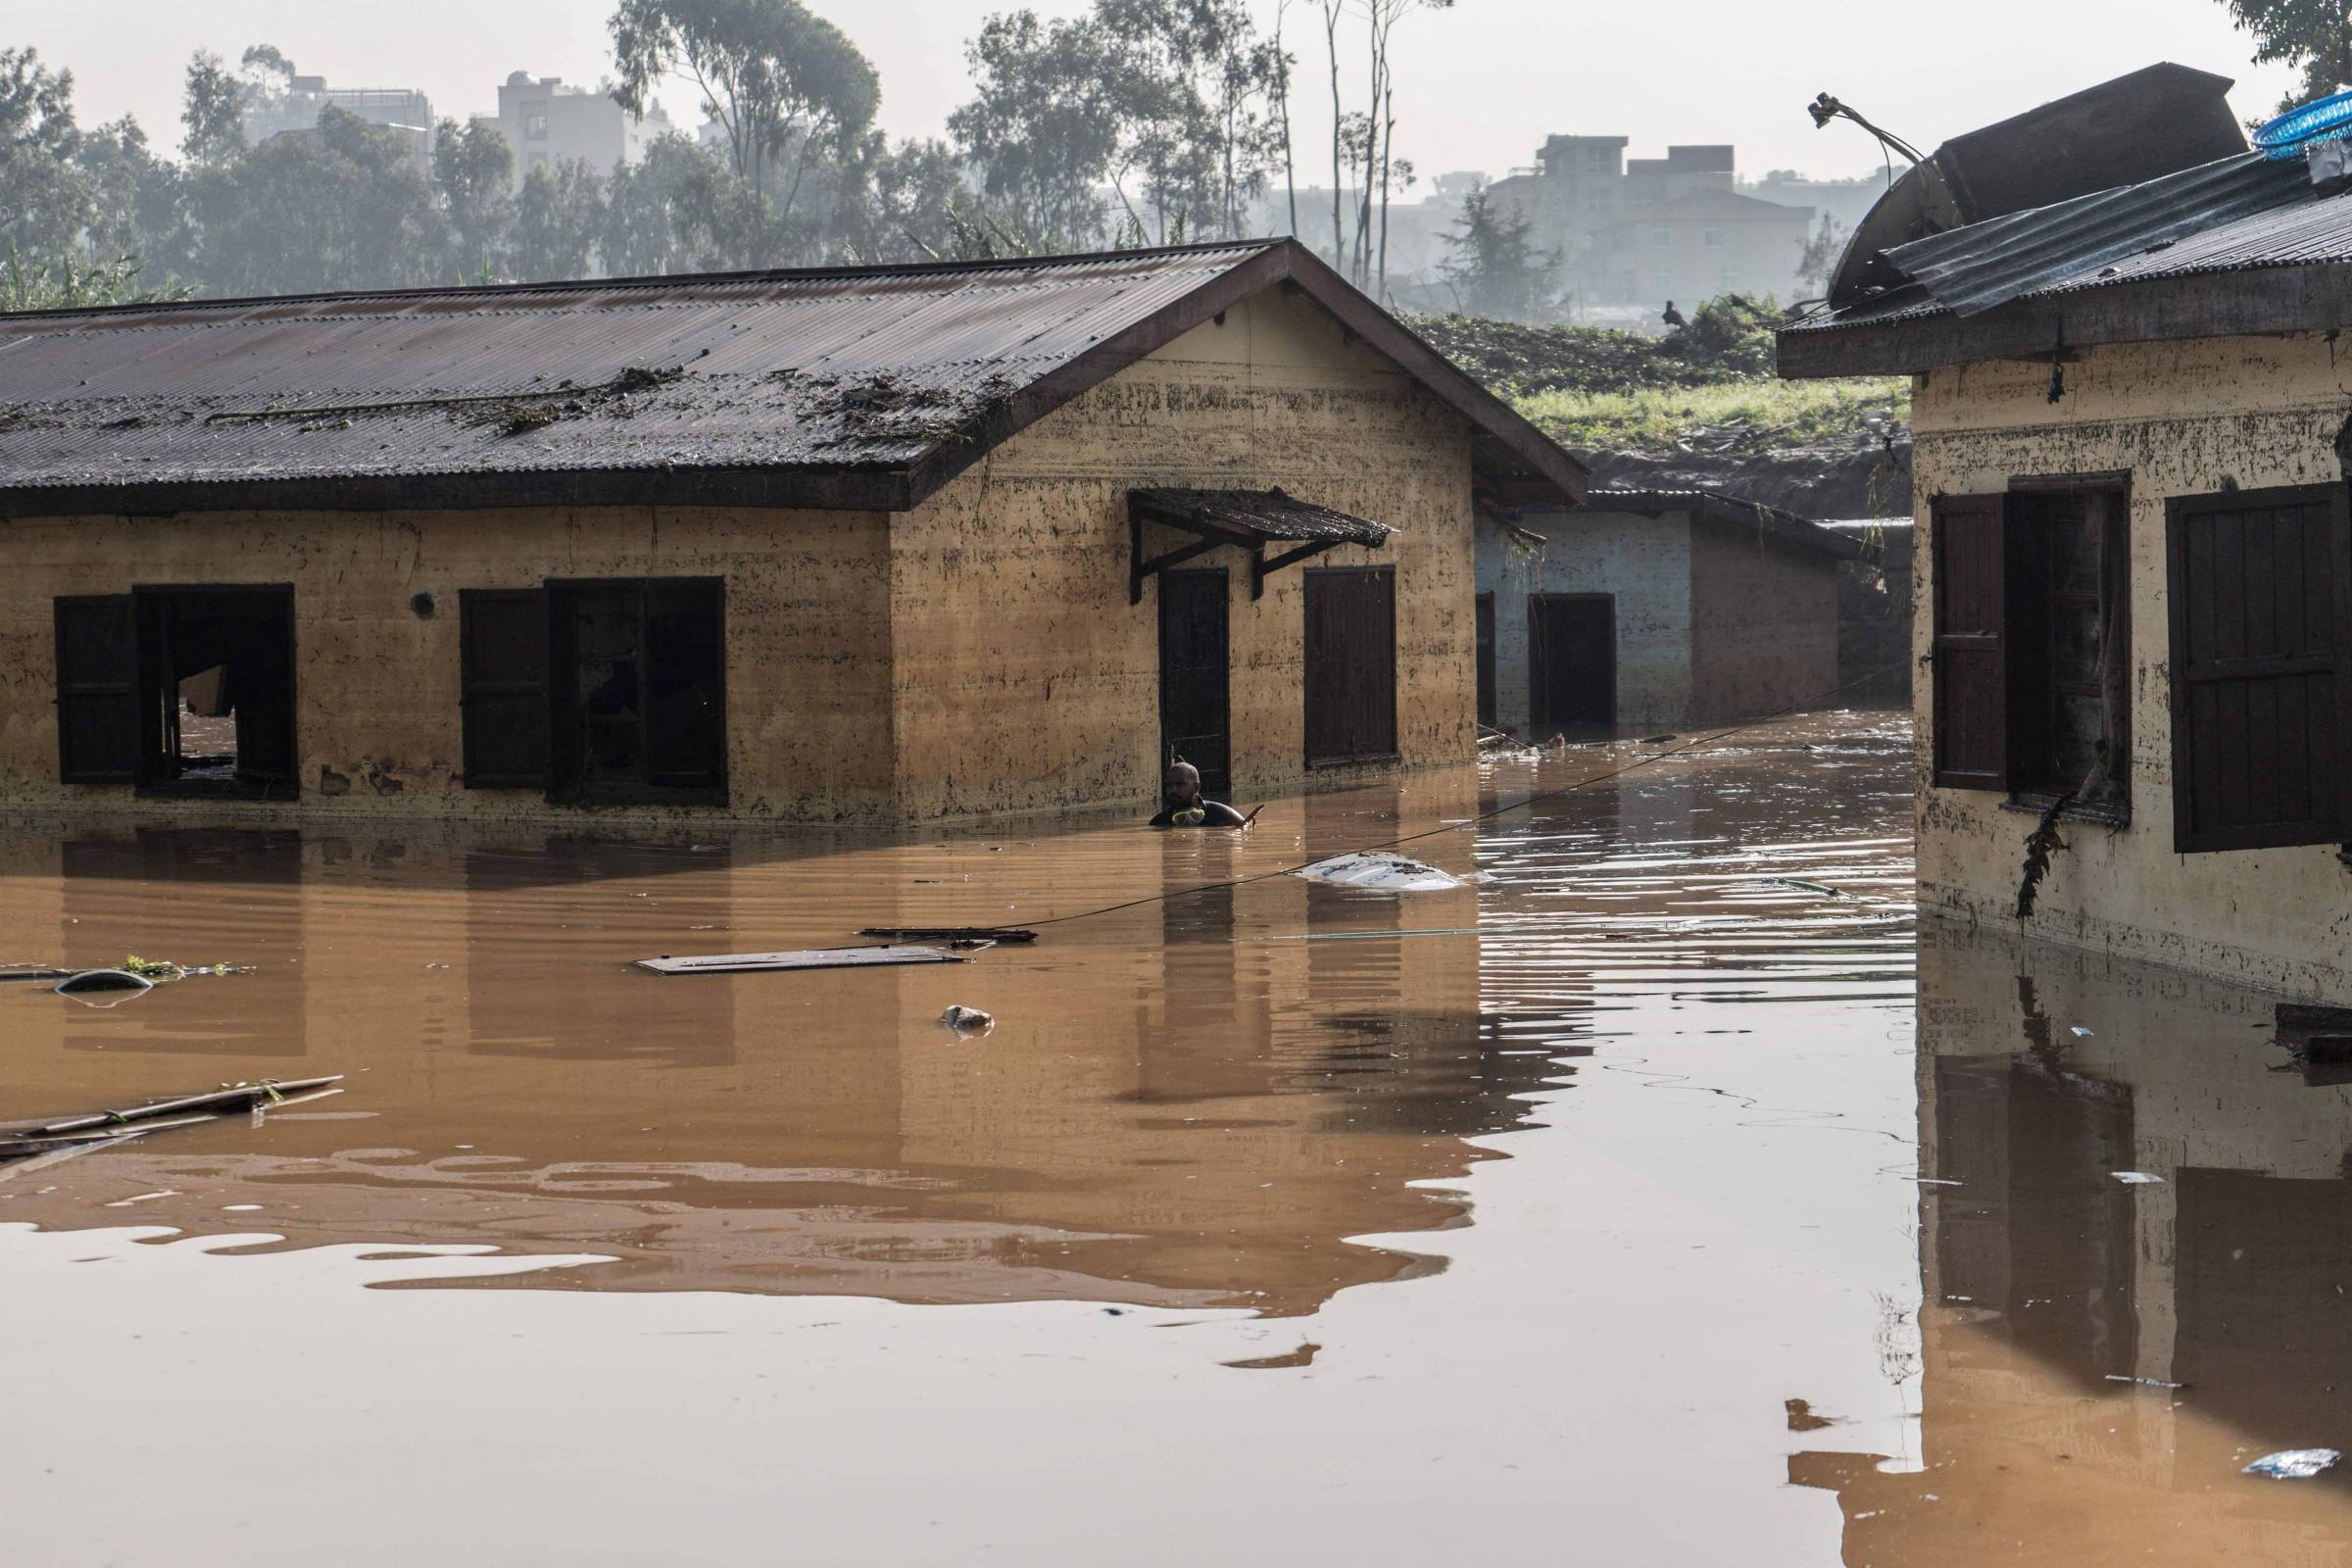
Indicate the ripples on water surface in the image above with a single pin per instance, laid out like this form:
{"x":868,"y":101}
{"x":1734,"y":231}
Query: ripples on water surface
{"x":1316,"y":1222}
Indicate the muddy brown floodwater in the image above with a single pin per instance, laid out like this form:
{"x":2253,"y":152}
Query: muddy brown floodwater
{"x":1607,"y":1209}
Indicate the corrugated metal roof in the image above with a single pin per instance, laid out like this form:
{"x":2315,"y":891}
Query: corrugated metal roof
{"x":1729,"y":510}
{"x":781,"y":370}
{"x":1976,"y":267}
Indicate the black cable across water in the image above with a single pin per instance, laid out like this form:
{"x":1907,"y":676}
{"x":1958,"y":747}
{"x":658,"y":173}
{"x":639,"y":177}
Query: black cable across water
{"x":1801,"y":705}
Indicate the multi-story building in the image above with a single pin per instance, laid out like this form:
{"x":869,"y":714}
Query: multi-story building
{"x":1645,"y":230}
{"x":549,"y":123}
{"x":402,"y":111}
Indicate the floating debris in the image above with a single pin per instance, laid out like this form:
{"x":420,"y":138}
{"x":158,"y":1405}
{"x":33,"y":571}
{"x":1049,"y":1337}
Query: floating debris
{"x":1379,"y":870}
{"x":2295,"y":1464}
{"x":119,"y":983}
{"x":2145,"y":1383}
{"x":2079,"y":1032}
{"x":968,"y":1021}
{"x":1803,"y":886}
{"x":61,"y":1136}
{"x":947,"y":933}
{"x":810,"y":958}
{"x":2137,"y":1178}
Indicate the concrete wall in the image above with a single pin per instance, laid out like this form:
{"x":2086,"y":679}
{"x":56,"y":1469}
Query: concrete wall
{"x":1643,"y":562}
{"x":1763,"y":624}
{"x":977,"y":655}
{"x":2267,"y":412}
{"x":1711,"y":623}
{"x":1023,"y":677}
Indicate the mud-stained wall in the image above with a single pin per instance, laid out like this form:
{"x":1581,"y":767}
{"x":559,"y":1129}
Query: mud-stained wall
{"x":1024,"y":680}
{"x":977,"y":655}
{"x":1763,"y":624}
{"x":1643,"y":562}
{"x":376,"y":686}
{"x":2267,"y":412}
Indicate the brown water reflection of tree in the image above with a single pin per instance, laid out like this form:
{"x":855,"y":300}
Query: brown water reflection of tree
{"x":2049,"y":1283}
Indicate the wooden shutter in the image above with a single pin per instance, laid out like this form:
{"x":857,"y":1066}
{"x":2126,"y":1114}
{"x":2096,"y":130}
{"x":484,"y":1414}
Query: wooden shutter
{"x":97,"y":690}
{"x":502,"y":643}
{"x":2260,"y":583}
{"x":1350,"y":659}
{"x":1971,"y":697}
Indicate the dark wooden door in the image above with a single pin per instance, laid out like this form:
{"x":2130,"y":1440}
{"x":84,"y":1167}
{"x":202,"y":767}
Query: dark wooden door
{"x":1196,"y":675}
{"x":1572,"y":660}
{"x":1350,"y":665}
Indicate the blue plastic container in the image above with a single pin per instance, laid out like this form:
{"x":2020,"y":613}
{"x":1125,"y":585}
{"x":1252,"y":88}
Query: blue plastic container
{"x":2298,"y":129}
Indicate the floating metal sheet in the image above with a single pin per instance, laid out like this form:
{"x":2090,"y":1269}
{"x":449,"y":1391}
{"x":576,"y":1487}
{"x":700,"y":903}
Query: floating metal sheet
{"x":810,"y":958}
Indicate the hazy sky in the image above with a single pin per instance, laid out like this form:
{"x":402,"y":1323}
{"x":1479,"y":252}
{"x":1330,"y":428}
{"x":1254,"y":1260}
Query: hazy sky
{"x":1479,"y":86}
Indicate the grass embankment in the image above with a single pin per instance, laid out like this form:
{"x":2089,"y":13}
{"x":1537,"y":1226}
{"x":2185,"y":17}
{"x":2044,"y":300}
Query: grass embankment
{"x":1708,"y":385}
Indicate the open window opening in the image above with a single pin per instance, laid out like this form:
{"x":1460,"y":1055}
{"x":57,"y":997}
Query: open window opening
{"x":2068,"y":610}
{"x":2032,"y":647}
{"x":216,"y":690}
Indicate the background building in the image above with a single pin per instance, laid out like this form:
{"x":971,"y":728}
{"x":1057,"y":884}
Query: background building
{"x":548,"y":125}
{"x":402,"y":111}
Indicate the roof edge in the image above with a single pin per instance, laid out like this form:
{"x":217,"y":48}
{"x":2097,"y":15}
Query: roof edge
{"x":645,"y":280}
{"x":845,"y":489}
{"x":2302,"y":297}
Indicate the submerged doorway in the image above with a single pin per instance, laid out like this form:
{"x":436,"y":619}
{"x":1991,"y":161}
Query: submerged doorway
{"x":216,"y":681}
{"x":1571,"y":661}
{"x":1195,"y":719}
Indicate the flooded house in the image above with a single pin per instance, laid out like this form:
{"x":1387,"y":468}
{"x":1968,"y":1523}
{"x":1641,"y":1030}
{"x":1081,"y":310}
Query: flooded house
{"x":1655,"y":608}
{"x":2136,"y":570}
{"x":869,"y":546}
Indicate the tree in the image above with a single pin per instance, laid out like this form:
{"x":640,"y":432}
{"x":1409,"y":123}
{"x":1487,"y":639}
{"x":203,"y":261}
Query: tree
{"x":1044,"y":131}
{"x":213,"y":111}
{"x":473,"y":170}
{"x":339,"y":208}
{"x":1167,"y":102}
{"x":559,"y":217}
{"x":2313,"y":35}
{"x":1493,"y":264}
{"x":44,"y":204}
{"x":1818,"y":257}
{"x":780,"y":80}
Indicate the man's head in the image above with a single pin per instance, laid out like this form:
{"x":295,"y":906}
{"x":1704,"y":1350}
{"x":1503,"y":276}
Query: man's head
{"x":1182,"y":784}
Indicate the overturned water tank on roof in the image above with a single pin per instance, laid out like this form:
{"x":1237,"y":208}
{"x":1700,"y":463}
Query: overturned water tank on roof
{"x":2153,"y":121}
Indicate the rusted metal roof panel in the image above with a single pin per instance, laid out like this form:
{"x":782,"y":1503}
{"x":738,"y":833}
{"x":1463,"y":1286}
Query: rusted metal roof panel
{"x":832,"y":370}
{"x":2095,"y":237}
{"x":1265,"y":513}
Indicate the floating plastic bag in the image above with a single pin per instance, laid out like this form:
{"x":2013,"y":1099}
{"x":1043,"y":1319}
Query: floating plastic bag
{"x":2295,"y":1464}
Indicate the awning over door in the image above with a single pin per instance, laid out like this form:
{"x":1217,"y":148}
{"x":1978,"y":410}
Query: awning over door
{"x":1247,"y":520}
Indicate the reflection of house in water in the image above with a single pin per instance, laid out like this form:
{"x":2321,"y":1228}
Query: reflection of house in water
{"x":2047,"y":1281}
{"x":1176,"y":1111}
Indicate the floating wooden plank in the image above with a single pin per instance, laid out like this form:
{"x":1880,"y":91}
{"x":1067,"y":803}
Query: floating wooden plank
{"x":810,"y":958}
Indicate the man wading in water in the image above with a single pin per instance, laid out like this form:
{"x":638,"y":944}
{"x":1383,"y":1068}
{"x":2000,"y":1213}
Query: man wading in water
{"x":1181,"y":803}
